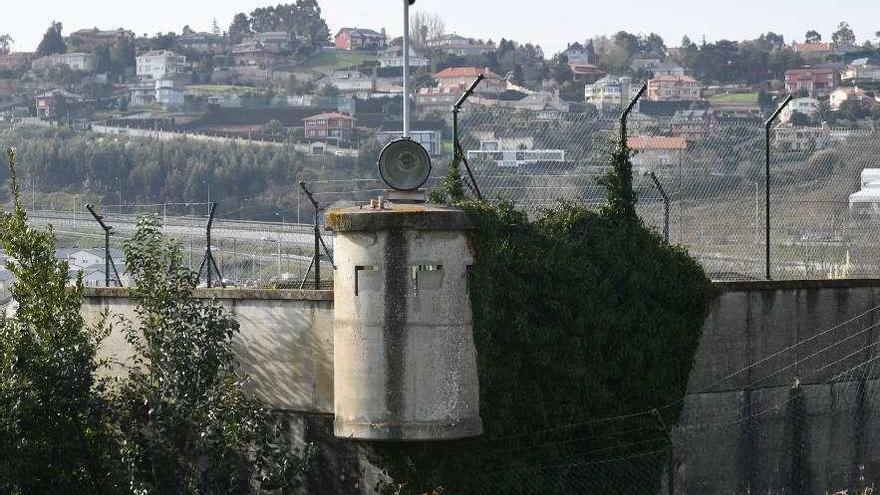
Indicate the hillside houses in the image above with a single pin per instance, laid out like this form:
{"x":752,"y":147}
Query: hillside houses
{"x":360,"y":39}
{"x":159,"y":64}
{"x":609,"y":93}
{"x":862,"y":71}
{"x":462,"y":77}
{"x":673,"y":88}
{"x":815,"y":81}
{"x":393,"y":57}
{"x":85,"y":62}
{"x":460,"y":46}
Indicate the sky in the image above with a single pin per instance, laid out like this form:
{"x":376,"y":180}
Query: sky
{"x":549,"y":23}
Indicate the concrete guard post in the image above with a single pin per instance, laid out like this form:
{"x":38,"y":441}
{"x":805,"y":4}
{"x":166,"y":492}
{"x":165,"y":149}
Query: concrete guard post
{"x":405,"y":365}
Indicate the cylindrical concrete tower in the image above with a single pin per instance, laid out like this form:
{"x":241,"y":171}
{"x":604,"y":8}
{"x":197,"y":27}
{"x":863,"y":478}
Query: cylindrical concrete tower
{"x":403,"y":351}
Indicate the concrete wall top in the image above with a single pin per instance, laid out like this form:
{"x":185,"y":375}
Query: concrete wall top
{"x":232,"y":293}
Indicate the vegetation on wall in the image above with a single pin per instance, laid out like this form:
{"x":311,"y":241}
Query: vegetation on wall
{"x":177,"y":421}
{"x":578,"y":315}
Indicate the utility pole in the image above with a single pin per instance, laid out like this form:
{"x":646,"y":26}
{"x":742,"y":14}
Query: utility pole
{"x":406,"y":4}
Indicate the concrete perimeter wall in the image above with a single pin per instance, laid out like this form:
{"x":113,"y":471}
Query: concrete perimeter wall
{"x":739,"y":432}
{"x":743,"y":428}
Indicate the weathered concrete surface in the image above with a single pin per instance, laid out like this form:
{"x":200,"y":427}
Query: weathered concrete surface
{"x":404,"y":357}
{"x":285,"y":346}
{"x":743,"y":431}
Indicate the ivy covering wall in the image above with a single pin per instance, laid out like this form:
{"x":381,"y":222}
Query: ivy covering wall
{"x":579,"y":316}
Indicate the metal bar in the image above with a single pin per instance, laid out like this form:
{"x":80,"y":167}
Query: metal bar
{"x":468,"y":92}
{"x":406,"y":115}
{"x":665,"y":205}
{"x":458,"y":153}
{"x":107,"y":229}
{"x":213,"y":207}
{"x":767,"y":125}
{"x":317,"y":253}
{"x":625,"y":114}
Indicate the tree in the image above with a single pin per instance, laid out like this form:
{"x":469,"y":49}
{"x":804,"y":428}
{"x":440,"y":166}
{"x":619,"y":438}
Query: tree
{"x":812,"y":37}
{"x":328,"y":90}
{"x":844,"y":36}
{"x":239,"y":28}
{"x":189,"y":425}
{"x":164,"y":41}
{"x":52,"y":41}
{"x":799,"y":119}
{"x":122,"y":55}
{"x":517,"y":76}
{"x":274,"y":128}
{"x":425,"y":26}
{"x":5,"y":44}
{"x":54,"y":430}
{"x":215,"y":28}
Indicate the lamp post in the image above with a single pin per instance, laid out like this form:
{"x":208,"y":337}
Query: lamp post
{"x":406,"y":116}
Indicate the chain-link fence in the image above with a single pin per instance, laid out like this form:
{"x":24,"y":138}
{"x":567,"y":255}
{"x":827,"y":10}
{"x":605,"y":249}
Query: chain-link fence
{"x":246,"y":253}
{"x":713,"y":173}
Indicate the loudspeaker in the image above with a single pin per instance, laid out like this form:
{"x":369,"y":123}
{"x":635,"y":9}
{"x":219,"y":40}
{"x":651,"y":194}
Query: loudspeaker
{"x":404,"y":164}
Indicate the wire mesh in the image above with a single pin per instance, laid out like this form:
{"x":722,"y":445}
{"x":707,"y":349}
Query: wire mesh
{"x":713,"y":174}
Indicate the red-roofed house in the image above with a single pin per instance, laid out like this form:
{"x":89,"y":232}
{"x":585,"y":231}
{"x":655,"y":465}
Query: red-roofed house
{"x":329,"y":125}
{"x":656,"y":152}
{"x":816,"y":81}
{"x":457,"y":77}
{"x":673,"y":88}
{"x":817,"y":48}
{"x":586,"y":73}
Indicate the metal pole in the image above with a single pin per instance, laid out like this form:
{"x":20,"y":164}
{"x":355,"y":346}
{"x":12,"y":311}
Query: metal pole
{"x":405,"y":69}
{"x":767,"y":125}
{"x":457,"y":151}
{"x":627,"y":110}
{"x":107,"y":229}
{"x":317,"y":256}
{"x":665,"y":206}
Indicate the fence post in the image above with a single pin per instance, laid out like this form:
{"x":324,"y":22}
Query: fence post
{"x":665,"y":206}
{"x":108,"y":259}
{"x":208,"y":262}
{"x":457,"y":152}
{"x":625,"y":114}
{"x":316,"y":258}
{"x":767,"y":125}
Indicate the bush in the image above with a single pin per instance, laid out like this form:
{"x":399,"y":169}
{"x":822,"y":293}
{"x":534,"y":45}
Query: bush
{"x":578,"y":315}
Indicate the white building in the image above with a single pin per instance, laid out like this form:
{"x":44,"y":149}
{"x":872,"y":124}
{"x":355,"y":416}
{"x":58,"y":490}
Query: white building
{"x":159,"y":64}
{"x":85,"y":62}
{"x":393,"y":57}
{"x":807,"y":106}
{"x":168,"y":95}
{"x":867,"y":200}
{"x":460,"y":46}
{"x":349,"y":81}
{"x":842,"y":94}
{"x":432,"y":141}
{"x":609,"y":93}
{"x":861,"y":71}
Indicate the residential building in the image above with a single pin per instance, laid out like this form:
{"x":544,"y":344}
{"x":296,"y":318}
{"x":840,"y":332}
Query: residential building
{"x":251,"y":53}
{"x":432,"y":141}
{"x":791,"y":138}
{"x":673,"y":88}
{"x":201,"y":42}
{"x":457,"y":77}
{"x":807,"y":106}
{"x":609,"y":93}
{"x":816,"y":81}
{"x":664,"y":69}
{"x":159,"y":64}
{"x":142,"y":94}
{"x":656,"y":152}
{"x":844,"y":93}
{"x":861,"y":71}
{"x":692,"y":124}
{"x":813,"y":48}
{"x":86,"y":62}
{"x":168,"y":95}
{"x":585,"y":73}
{"x":436,"y":100}
{"x":349,"y":81}
{"x":329,"y":125}
{"x":88,"y":39}
{"x":58,"y":104}
{"x":459,"y":46}
{"x":577,"y":54}
{"x":393,"y":57}
{"x":278,"y":42}
{"x":541,"y":101}
{"x":15,"y":61}
{"x":360,"y":39}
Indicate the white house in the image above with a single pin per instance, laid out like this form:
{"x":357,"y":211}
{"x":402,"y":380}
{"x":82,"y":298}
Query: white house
{"x":349,"y":81}
{"x":844,"y":93}
{"x":167,"y":94}
{"x":807,"y":106}
{"x":861,"y":71}
{"x":86,"y":62}
{"x":609,"y":93}
{"x":432,"y":141}
{"x":393,"y":57}
{"x":159,"y":64}
{"x":460,"y":46}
